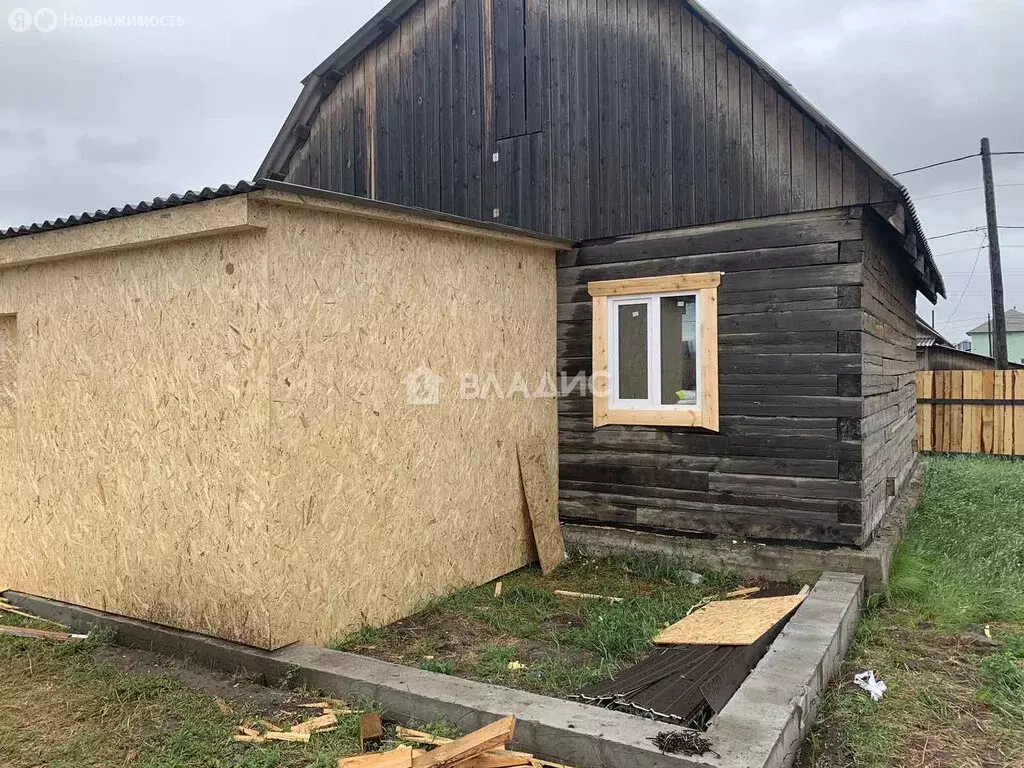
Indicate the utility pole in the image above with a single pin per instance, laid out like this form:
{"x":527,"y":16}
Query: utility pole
{"x":997,"y":337}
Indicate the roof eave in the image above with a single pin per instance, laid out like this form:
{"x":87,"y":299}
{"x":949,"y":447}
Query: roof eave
{"x":321,"y":80}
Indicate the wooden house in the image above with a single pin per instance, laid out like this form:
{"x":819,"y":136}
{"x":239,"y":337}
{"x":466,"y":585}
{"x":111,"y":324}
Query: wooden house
{"x":684,"y":165}
{"x":772,"y":259}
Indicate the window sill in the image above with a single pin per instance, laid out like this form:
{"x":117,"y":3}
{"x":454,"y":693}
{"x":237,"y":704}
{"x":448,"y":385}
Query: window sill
{"x":652,"y":418}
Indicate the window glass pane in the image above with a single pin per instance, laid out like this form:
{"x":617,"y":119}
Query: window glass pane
{"x":679,"y":350}
{"x":632,"y":373}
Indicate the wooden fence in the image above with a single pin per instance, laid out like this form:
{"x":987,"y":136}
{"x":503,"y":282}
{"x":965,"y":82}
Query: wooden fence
{"x":971,"y":412}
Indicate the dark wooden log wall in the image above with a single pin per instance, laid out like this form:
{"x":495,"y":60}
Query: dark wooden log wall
{"x":889,"y":426}
{"x":607,"y":117}
{"x":788,"y":461}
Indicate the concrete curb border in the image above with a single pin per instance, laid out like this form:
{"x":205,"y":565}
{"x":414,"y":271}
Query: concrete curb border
{"x":762,"y":726}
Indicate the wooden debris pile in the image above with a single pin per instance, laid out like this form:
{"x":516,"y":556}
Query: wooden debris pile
{"x":262,"y":731}
{"x":483,"y":748}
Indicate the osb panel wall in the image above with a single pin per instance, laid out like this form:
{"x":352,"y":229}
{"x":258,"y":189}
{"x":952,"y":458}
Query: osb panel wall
{"x":140,"y":454}
{"x":378,"y":505}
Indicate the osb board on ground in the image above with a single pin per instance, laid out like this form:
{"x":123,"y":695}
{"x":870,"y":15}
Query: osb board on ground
{"x":730,"y":622}
{"x":214,"y":434}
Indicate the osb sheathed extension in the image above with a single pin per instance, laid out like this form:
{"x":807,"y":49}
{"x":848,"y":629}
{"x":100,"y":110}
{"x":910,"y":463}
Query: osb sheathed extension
{"x":212,"y":432}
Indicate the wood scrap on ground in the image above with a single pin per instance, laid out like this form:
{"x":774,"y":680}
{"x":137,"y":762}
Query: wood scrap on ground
{"x":730,"y":622}
{"x":371,"y":730}
{"x":287,"y":736}
{"x":497,"y":589}
{"x":541,"y":493}
{"x":244,"y":738}
{"x":746,"y":591}
{"x":496,"y":734}
{"x":8,"y":608}
{"x":316,"y":723}
{"x":586,"y":596}
{"x":421,"y":737}
{"x":498,"y":758}
{"x":400,"y":757}
{"x":41,"y":634}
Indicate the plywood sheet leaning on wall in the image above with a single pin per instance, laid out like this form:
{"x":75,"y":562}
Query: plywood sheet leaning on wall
{"x":540,"y":486}
{"x":393,"y":456}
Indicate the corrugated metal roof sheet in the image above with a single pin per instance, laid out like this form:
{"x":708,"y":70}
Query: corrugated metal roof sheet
{"x":156,"y":204}
{"x":243,"y":187}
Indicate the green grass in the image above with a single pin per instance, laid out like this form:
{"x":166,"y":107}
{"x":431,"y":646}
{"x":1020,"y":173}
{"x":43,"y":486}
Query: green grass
{"x":557,"y":646}
{"x":963,"y":562}
{"x":954,"y":698}
{"x":61,"y":708}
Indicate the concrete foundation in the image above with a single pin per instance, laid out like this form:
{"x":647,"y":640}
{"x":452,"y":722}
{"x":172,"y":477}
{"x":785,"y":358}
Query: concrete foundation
{"x":761,"y":726}
{"x":777,"y":562}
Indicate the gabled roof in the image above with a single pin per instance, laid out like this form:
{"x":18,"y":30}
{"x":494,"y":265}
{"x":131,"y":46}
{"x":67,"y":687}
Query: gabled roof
{"x":1014,"y":323}
{"x":318,"y":85}
{"x":927,"y":336}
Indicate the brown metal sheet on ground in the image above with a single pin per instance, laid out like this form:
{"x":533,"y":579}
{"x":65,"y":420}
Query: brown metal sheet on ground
{"x":683,"y":684}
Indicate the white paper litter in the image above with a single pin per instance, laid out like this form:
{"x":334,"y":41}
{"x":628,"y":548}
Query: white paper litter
{"x":871,"y":684}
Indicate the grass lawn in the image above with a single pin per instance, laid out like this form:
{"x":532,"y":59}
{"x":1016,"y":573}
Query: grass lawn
{"x":956,"y":696}
{"x":530,"y":639}
{"x":88,"y":704}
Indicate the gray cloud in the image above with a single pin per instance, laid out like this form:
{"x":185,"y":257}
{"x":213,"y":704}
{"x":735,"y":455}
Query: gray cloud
{"x":30,"y":139}
{"x":103,"y":151}
{"x":911,"y":81}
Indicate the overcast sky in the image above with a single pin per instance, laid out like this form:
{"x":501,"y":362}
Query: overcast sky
{"x":97,"y":117}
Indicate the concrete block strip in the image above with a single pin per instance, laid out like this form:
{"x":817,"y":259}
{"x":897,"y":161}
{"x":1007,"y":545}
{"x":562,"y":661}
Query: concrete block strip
{"x":762,"y":725}
{"x":563,"y":731}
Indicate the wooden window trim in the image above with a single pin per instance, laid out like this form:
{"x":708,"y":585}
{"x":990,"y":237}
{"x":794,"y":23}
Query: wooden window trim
{"x":705,"y":285}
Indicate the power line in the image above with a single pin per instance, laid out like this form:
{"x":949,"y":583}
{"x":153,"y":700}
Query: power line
{"x":974,"y":267}
{"x":968,"y":250}
{"x":966,"y":189}
{"x":954,"y":160}
{"x":958,"y":232}
{"x":936,"y":165}
{"x":972,"y":229}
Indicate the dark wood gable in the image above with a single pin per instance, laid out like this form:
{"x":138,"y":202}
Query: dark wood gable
{"x":605,"y":117}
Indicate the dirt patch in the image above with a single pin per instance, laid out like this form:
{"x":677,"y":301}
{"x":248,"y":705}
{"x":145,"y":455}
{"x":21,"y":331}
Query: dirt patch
{"x":527,"y":637}
{"x":241,"y":693}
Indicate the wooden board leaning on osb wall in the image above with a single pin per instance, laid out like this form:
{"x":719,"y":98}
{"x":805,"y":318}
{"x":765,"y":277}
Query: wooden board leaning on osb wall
{"x":377,"y":504}
{"x":214,"y":434}
{"x":136,"y":480}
